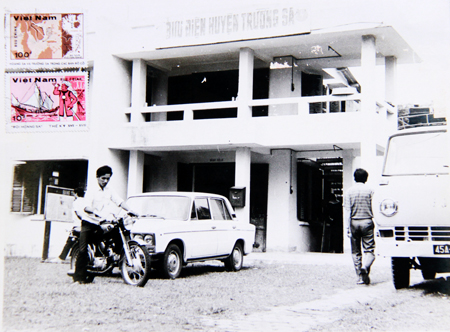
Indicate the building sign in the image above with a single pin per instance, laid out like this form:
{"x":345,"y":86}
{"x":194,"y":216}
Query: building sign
{"x":45,"y":40}
{"x":38,"y":102}
{"x":244,"y":25}
{"x":59,"y":204}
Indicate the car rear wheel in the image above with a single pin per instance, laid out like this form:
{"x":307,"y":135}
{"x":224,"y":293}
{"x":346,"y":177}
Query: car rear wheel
{"x":235,"y":260}
{"x":172,"y":262}
{"x":400,"y":272}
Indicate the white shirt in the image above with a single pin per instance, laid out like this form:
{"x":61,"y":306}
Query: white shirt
{"x":105,"y":202}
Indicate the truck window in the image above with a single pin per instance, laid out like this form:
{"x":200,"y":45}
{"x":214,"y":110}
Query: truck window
{"x":417,"y":154}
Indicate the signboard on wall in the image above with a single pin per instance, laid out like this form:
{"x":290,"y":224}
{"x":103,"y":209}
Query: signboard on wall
{"x":38,"y":102}
{"x":277,"y":20}
{"x":44,"y":40}
{"x":59,"y":204}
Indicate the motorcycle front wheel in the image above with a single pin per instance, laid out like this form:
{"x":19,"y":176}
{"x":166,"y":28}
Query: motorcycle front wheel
{"x":138,"y":272}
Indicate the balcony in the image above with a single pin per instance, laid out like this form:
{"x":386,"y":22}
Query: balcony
{"x":306,"y":122}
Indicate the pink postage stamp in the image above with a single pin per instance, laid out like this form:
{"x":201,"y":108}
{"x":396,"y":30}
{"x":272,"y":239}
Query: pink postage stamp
{"x":47,"y":101}
{"x":45,"y":40}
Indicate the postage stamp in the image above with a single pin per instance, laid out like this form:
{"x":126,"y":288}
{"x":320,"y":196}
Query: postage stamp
{"x":40,"y":102}
{"x":45,"y":40}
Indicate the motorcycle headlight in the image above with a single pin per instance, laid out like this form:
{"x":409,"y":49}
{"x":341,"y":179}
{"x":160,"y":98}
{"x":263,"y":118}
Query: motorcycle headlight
{"x":388,"y":207}
{"x":128,"y":222}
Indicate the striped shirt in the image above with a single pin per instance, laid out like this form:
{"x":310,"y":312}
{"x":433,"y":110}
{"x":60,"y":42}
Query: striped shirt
{"x":358,"y":200}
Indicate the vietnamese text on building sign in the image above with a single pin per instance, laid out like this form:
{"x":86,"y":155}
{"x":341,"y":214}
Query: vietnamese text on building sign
{"x":45,"y":40}
{"x":255,"y":24}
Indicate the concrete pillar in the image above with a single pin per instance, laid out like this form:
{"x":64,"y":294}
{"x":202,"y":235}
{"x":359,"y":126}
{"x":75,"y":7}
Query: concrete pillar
{"x":368,"y":144}
{"x":160,"y":93}
{"x":245,"y":85}
{"x":138,"y":89}
{"x":368,"y":65}
{"x":369,"y":159}
{"x":135,"y":172}
{"x":390,"y":86}
{"x":348,"y":168}
{"x":278,"y":208}
{"x":390,"y":78}
{"x":242,"y":179}
{"x":280,"y":86}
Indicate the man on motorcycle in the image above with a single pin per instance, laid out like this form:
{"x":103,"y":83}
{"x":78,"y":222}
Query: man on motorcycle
{"x":100,"y":204}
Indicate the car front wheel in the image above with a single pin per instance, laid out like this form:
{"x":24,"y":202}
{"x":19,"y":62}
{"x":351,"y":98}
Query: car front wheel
{"x":172,"y":262}
{"x":235,"y":260}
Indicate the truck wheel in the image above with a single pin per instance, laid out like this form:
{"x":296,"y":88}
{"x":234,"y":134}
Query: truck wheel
{"x":428,"y":274}
{"x":400,"y":272}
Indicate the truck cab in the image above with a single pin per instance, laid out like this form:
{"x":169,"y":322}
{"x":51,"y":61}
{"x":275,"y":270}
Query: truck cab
{"x":412,"y":203}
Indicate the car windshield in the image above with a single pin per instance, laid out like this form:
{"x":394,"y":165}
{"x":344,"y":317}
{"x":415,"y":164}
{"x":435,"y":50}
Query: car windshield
{"x":164,"y":207}
{"x":418,"y":154}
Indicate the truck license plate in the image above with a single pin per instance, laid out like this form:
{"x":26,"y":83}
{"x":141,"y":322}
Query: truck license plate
{"x":441,"y":249}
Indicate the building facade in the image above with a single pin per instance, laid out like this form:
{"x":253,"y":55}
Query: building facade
{"x":209,"y":99}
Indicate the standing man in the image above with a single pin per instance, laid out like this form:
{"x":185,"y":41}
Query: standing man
{"x":360,"y":226}
{"x":67,"y":99}
{"x":101,"y":203}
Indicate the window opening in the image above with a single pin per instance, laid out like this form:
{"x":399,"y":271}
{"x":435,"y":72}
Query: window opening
{"x":202,"y":208}
{"x":219,"y":210}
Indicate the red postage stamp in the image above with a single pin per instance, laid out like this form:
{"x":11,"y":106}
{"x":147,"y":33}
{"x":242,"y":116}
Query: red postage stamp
{"x":45,"y":40}
{"x":47,"y":101}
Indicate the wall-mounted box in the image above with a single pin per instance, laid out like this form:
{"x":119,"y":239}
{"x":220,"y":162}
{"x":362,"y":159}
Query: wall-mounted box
{"x":237,"y":196}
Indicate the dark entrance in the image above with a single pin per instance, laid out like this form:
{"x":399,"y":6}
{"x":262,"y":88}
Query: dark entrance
{"x":259,"y":184}
{"x":319,"y":202}
{"x":208,"y":178}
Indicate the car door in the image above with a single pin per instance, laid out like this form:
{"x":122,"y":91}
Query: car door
{"x":203,"y":235}
{"x":226,"y":230}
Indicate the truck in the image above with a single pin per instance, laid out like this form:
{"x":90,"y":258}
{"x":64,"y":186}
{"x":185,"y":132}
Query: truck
{"x":411,"y":205}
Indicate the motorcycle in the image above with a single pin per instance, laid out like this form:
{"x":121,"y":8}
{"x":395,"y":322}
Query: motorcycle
{"x":114,"y":248}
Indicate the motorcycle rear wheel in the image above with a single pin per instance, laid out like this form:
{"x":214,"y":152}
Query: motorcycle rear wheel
{"x":139,"y":272}
{"x":73,"y":263}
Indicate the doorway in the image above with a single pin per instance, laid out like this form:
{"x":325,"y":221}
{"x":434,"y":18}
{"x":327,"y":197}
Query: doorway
{"x":319,"y":202}
{"x":259,"y":184}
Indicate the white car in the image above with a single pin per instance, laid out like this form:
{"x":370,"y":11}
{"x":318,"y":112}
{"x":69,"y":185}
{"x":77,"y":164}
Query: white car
{"x":184,"y":227}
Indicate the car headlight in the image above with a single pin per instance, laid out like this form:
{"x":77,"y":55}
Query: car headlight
{"x":146,"y":238}
{"x":149,"y":239}
{"x":138,"y":237}
{"x":388,"y":207}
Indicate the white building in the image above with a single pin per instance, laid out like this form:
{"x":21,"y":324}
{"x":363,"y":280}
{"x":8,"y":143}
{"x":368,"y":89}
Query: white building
{"x":205,"y":99}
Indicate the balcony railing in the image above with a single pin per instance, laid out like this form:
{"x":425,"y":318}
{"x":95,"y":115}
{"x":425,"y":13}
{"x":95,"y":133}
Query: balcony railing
{"x":301,"y":106}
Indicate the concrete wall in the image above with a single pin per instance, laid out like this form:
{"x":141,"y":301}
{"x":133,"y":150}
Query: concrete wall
{"x":283,"y":230}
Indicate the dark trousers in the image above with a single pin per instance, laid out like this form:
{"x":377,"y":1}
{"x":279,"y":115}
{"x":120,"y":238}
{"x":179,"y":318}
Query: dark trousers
{"x":69,"y":243}
{"x":89,"y":234}
{"x":362,"y":234}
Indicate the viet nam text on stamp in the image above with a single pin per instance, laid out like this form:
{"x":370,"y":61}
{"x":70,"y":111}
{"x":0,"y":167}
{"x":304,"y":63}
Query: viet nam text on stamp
{"x":46,"y":101}
{"x":45,"y":40}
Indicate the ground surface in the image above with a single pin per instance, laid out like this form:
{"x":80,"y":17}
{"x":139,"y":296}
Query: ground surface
{"x":264,"y":296}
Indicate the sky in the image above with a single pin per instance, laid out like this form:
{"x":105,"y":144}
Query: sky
{"x":425,"y":25}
